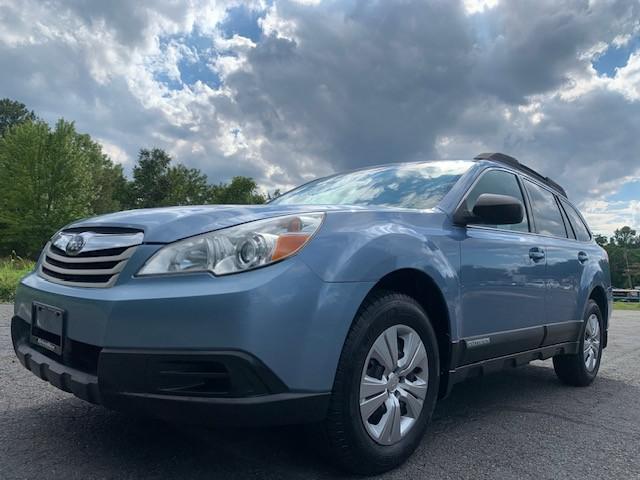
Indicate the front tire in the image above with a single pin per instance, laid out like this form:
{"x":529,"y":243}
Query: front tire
{"x":581,"y":369}
{"x":386,"y":385}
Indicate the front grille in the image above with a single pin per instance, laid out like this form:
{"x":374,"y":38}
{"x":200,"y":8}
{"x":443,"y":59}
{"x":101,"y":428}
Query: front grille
{"x":99,"y":266}
{"x":108,"y":252}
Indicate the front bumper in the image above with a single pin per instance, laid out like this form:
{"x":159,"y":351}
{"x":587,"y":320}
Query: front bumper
{"x":218,"y":387}
{"x":282,"y":318}
{"x":284,"y":315}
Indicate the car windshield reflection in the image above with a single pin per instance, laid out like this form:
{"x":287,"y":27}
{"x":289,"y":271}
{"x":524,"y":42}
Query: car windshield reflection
{"x":410,"y":185}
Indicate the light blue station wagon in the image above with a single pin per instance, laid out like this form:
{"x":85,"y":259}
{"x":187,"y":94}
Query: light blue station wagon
{"x":353,"y":302}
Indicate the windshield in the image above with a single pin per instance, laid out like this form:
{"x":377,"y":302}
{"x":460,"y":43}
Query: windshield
{"x":409,"y":185}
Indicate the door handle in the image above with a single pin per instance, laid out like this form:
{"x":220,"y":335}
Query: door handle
{"x":582,"y":257}
{"x":536,"y":254}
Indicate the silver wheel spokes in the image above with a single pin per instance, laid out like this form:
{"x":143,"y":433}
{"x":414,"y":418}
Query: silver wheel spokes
{"x":592,"y":342}
{"x":394,"y":384}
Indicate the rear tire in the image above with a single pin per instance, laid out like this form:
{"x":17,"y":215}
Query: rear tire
{"x":581,"y":369}
{"x":360,"y":441}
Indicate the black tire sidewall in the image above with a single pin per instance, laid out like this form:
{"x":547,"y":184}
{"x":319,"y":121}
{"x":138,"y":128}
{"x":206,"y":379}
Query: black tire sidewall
{"x":387,"y":312}
{"x":592,"y":307}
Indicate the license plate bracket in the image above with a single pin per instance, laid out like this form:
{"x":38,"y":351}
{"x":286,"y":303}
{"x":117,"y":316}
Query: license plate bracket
{"x":47,"y":327}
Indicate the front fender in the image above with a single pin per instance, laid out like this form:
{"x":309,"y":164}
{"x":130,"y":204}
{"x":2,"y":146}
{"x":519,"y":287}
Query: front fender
{"x":366,"y":246}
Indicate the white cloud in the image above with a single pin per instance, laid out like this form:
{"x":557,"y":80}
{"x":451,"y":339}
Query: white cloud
{"x":627,"y":78}
{"x":339,"y":84}
{"x":117,"y":154}
{"x":605,"y":217}
{"x":476,"y":6}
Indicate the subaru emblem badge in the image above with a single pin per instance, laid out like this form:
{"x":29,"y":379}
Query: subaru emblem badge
{"x":74,"y":247}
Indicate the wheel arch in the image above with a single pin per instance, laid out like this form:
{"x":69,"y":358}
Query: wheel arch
{"x":599,"y":296}
{"x":424,"y":289}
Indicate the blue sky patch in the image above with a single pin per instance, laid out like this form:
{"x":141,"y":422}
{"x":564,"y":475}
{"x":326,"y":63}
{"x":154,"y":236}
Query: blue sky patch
{"x":170,"y":83}
{"x":628,"y":191}
{"x":615,"y":57}
{"x":192,"y":68}
{"x":191,"y":72}
{"x":242,"y":21}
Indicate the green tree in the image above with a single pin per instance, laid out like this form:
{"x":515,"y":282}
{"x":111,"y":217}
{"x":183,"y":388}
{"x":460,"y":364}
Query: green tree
{"x":13,"y":113}
{"x":625,"y":237}
{"x":109,"y":182}
{"x":240,"y":191}
{"x":624,"y":257}
{"x":150,"y":183}
{"x":157,"y":183}
{"x":187,"y":186}
{"x":601,"y":240}
{"x":45,"y":182}
{"x":50,"y":177}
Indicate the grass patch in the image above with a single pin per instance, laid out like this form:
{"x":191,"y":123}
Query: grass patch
{"x":12,"y":269}
{"x":626,"y":306}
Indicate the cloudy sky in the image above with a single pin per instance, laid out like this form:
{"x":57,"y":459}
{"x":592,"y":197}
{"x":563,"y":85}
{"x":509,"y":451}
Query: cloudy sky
{"x":285,"y":91}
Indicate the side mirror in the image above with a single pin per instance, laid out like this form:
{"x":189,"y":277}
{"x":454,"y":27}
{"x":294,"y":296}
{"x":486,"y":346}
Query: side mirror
{"x":494,"y":209}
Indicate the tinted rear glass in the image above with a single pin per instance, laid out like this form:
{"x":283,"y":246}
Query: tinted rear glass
{"x":580,"y":229}
{"x":409,"y":185}
{"x":546,"y":213}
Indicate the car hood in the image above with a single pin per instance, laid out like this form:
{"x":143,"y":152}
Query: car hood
{"x":164,"y":225}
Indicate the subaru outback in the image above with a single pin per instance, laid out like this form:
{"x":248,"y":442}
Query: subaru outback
{"x":353,"y":302}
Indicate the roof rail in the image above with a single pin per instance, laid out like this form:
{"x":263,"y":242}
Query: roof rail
{"x":514,"y":163}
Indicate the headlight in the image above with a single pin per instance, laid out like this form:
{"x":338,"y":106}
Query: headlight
{"x":236,"y":249}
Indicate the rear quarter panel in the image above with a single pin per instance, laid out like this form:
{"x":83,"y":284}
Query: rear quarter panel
{"x":596,"y":273}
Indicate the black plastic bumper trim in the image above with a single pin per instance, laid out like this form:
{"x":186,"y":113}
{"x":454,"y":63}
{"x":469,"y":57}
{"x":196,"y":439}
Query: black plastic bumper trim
{"x":493,"y":365}
{"x":191,"y":373}
{"x":134,"y":380}
{"x":266,"y":410}
{"x":82,"y":385}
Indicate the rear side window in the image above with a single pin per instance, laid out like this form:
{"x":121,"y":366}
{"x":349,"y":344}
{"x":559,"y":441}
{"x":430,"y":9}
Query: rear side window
{"x":546,"y":212}
{"x":502,"y":183}
{"x":580,"y":229}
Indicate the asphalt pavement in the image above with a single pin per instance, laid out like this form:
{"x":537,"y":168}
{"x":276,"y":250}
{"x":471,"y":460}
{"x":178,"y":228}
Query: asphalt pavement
{"x":520,"y":424}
